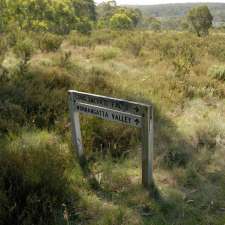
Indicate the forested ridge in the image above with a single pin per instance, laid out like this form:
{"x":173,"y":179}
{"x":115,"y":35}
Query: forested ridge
{"x":180,"y":10}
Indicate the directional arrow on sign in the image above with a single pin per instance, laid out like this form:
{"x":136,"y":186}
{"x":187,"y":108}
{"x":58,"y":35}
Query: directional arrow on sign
{"x":137,"y":121}
{"x":110,"y":103}
{"x":136,"y":109}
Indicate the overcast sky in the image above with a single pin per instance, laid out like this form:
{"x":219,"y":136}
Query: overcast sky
{"x":151,"y":2}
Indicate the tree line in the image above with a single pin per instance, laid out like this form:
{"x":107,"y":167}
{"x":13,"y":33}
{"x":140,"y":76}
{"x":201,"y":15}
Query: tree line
{"x":58,"y":16}
{"x":198,"y":19}
{"x":62,"y":16}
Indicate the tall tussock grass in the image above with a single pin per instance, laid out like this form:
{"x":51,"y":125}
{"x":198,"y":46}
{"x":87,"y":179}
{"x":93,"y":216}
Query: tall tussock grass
{"x":33,"y":183}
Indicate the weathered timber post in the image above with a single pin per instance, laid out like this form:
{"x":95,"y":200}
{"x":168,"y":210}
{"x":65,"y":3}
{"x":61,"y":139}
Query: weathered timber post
{"x":75,"y":125}
{"x":147,"y":147}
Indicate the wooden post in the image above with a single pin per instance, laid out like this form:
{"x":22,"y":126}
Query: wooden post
{"x":147,"y":148}
{"x":75,"y":125}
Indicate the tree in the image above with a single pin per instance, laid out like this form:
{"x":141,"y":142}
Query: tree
{"x":156,"y":25}
{"x":57,"y":16}
{"x":184,"y":25}
{"x":106,"y":10}
{"x":121,"y":21}
{"x":200,"y":20}
{"x":85,"y":8}
{"x":134,"y":14}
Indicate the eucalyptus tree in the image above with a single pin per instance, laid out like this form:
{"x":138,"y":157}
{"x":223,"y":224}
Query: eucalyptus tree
{"x":200,"y":20}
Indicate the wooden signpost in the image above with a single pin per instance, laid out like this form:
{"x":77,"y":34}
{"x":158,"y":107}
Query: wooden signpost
{"x":116,"y":110}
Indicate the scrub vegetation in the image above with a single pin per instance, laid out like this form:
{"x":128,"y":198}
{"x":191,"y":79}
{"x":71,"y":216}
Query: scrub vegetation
{"x":180,"y":73}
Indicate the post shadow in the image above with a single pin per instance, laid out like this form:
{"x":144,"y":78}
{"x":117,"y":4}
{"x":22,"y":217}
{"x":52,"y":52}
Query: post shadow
{"x":84,"y":163}
{"x":92,"y":181}
{"x":154,"y":192}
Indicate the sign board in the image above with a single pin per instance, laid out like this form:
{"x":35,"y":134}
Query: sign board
{"x":117,"y":110}
{"x":109,"y":103}
{"x":107,"y":114}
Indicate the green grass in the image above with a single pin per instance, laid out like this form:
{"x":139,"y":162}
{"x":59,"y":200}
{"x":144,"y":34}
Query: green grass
{"x":217,"y":72}
{"x":168,"y":70}
{"x":106,"y":53}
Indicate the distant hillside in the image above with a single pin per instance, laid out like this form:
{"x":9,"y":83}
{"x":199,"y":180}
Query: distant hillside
{"x":179,"y":10}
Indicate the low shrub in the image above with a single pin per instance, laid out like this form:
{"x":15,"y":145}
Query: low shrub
{"x":33,"y":185}
{"x":44,"y":95}
{"x":179,"y":52}
{"x":106,"y":53}
{"x":65,"y":59}
{"x":104,"y":37}
{"x":78,"y":39}
{"x":24,"y":50}
{"x":84,"y":26}
{"x":207,"y":126}
{"x":41,"y":93}
{"x":217,"y":72}
{"x":12,"y":117}
{"x":216,"y":47}
{"x":108,"y":138}
{"x":192,"y":177}
{"x":133,"y":44}
{"x":176,"y":156}
{"x":185,"y":58}
{"x":14,"y":35}
{"x":50,"y":42}
{"x":120,"y":216}
{"x":3,"y":45}
{"x":98,"y":81}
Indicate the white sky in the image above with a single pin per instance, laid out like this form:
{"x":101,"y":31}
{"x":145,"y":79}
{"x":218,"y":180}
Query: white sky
{"x":154,"y":2}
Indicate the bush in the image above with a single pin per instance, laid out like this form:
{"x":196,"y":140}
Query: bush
{"x":187,"y":54}
{"x":84,"y":26}
{"x":99,"y":81}
{"x":108,"y":138}
{"x":133,"y":44}
{"x":24,"y":50}
{"x":44,"y":95}
{"x":78,"y":39}
{"x":65,"y":59}
{"x":106,"y":53}
{"x":176,"y":156}
{"x":191,"y":177}
{"x":120,"y":21}
{"x":33,"y":185}
{"x":207,"y":126}
{"x":217,"y":72}
{"x":15,"y":34}
{"x":104,"y":37}
{"x":50,"y":42}
{"x":41,"y":93}
{"x":3,"y":45}
{"x":12,"y":117}
{"x":216,"y":46}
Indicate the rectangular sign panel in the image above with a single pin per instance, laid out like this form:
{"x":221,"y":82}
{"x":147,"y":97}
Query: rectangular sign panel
{"x":108,"y":114}
{"x":110,"y":103}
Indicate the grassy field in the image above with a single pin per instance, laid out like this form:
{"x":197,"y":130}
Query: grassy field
{"x":182,"y":75}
